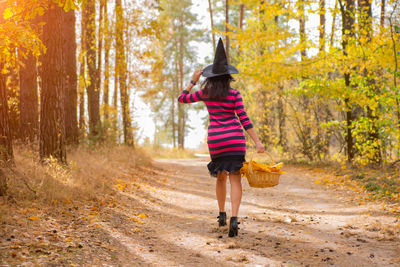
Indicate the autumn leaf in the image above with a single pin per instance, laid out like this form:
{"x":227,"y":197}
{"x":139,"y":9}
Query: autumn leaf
{"x":7,"y":13}
{"x":33,"y":218}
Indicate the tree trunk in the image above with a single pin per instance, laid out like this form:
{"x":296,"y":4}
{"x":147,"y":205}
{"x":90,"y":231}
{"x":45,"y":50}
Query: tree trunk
{"x":383,"y":6}
{"x":240,"y":22}
{"x":302,"y":30}
{"x":122,"y":74}
{"x":266,"y":116}
{"x":12,"y":96}
{"x":212,"y":23}
{"x":181,"y":130}
{"x":6,"y":150}
{"x":281,"y":121}
{"x":82,"y":80}
{"x":321,"y":25}
{"x":100,"y":45}
{"x":241,"y":16}
{"x":177,"y":105}
{"x":70,"y":77}
{"x":89,"y":14}
{"x":227,"y":29}
{"x":115,"y":93}
{"x":107,"y":47}
{"x":304,"y":99}
{"x":115,"y":101}
{"x":28,"y":103}
{"x":82,"y":107}
{"x":333,"y":23}
{"x":181,"y":113}
{"x":173,"y":125}
{"x":365,"y":22}
{"x":52,"y":131}
{"x":347,"y":11}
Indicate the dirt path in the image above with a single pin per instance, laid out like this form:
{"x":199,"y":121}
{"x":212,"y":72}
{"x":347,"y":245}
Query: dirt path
{"x":166,"y":216}
{"x":297,"y":223}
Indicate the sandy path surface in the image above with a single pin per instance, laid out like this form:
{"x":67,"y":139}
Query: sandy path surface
{"x":297,"y":223}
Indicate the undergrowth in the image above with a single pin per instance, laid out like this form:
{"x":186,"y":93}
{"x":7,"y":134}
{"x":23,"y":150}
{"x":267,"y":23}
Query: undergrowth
{"x":382,"y":184}
{"x":52,"y":213}
{"x":88,"y":174}
{"x":379,"y":183}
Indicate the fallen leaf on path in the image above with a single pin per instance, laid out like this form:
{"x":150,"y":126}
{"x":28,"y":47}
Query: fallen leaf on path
{"x":33,"y":218}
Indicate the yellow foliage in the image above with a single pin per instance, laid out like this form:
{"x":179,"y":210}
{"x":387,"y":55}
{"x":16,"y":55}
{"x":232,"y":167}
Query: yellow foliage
{"x":7,"y":13}
{"x":261,"y":167}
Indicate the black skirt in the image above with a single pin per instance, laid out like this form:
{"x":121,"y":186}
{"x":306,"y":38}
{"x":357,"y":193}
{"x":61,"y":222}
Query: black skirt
{"x":228,"y":163}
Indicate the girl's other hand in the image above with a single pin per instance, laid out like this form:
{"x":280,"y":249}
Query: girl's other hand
{"x":196,"y":75}
{"x":260,"y":147}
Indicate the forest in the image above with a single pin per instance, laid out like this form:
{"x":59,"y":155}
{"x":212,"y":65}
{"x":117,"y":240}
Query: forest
{"x":324,"y":93}
{"x":320,"y":81}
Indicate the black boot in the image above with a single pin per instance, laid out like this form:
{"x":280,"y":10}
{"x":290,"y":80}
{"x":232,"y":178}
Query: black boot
{"x":233,"y":227}
{"x":222,"y":218}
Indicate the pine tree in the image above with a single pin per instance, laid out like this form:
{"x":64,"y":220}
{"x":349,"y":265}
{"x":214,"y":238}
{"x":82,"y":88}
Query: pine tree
{"x":121,"y":68}
{"x":52,"y":125}
{"x":6,"y":149}
{"x":70,"y":77}
{"x":93,"y":93}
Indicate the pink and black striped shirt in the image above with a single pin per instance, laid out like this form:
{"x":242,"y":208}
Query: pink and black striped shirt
{"x":227,"y":117}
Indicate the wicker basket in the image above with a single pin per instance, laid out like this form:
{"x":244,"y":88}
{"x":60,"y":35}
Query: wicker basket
{"x":261,"y":179}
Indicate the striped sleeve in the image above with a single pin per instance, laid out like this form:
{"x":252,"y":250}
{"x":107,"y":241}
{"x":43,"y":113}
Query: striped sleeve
{"x":186,"y":97}
{"x":241,"y":113}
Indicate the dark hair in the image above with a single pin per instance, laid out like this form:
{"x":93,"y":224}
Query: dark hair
{"x":217,"y":88}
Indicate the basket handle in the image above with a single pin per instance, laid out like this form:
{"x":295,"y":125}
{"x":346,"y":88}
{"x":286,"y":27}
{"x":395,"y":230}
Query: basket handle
{"x":265,"y":152}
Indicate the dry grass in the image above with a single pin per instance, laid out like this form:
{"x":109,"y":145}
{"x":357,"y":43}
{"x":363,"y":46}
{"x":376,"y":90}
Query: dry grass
{"x":88,"y":175}
{"x":51,"y":215}
{"x":172,"y":153}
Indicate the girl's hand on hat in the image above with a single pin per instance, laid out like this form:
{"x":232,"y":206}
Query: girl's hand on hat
{"x":196,"y":75}
{"x":260,"y":147}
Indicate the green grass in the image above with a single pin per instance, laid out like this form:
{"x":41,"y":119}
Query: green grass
{"x":379,"y":183}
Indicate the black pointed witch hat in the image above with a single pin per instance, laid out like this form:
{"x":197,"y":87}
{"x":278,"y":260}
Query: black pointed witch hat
{"x":220,"y":66}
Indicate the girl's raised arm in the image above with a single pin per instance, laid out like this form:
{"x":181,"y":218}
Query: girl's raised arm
{"x":186,"y":96}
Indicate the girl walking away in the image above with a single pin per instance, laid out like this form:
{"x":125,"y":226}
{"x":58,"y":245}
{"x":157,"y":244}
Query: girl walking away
{"x":226,"y":141}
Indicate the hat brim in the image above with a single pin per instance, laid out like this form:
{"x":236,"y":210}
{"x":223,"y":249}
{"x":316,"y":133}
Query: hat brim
{"x":207,"y":71}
